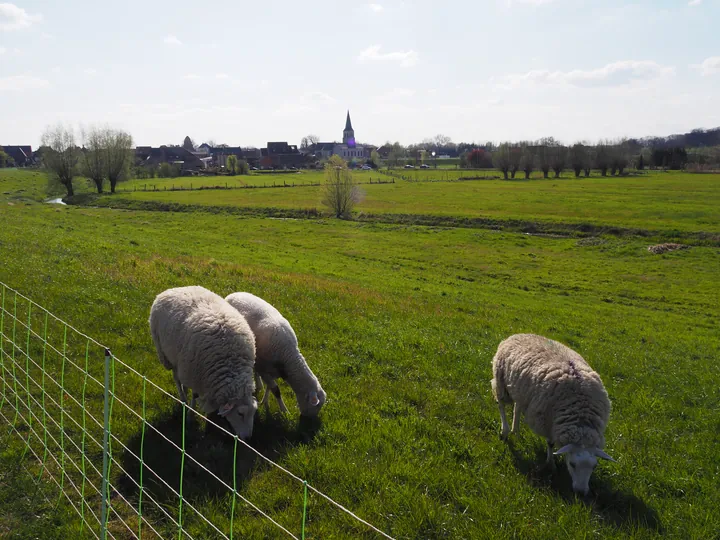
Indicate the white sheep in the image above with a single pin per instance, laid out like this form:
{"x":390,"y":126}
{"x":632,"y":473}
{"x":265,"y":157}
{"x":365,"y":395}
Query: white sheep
{"x":277,"y":354}
{"x":561,"y":397}
{"x":209,"y":348}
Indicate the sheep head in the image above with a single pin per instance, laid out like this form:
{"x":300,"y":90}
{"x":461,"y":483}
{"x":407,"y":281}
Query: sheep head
{"x":581,"y":463}
{"x":241,"y":415}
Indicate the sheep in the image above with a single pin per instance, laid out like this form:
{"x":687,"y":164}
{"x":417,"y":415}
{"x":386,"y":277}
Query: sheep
{"x":210,"y":348}
{"x":561,"y":397}
{"x":277,"y":354}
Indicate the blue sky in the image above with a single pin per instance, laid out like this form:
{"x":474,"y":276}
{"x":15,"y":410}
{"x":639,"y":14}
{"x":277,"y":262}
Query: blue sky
{"x":247,"y":73}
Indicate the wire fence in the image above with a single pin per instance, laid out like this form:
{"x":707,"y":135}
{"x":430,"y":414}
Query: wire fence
{"x":129,"y":457}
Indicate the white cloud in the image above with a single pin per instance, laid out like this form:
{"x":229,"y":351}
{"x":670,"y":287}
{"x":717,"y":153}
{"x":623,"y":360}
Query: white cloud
{"x":3,"y":50}
{"x":614,"y":74}
{"x":90,"y":71}
{"x":16,"y":18}
{"x":22,"y":82}
{"x":695,"y":2}
{"x":56,"y":69}
{"x":373,"y":54}
{"x":191,"y":76}
{"x":309,"y":102}
{"x":377,"y":8}
{"x":397,"y":94}
{"x":172,"y":40}
{"x":709,"y":66}
{"x":222,"y":76}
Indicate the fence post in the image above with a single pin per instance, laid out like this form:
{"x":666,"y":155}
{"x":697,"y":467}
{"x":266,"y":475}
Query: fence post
{"x":106,"y":437}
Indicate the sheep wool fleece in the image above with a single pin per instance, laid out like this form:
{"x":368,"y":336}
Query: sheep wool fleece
{"x":559,"y":394}
{"x":207,"y":344}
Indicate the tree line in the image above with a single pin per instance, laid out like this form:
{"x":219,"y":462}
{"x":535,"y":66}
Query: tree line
{"x":105,"y":156}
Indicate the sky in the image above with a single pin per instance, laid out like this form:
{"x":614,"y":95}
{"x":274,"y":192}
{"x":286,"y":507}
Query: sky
{"x":246,"y":73}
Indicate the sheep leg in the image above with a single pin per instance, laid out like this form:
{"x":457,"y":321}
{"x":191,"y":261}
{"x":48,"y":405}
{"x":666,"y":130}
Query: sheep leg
{"x":180,"y":388}
{"x":278,"y":397}
{"x":259,"y":386}
{"x":503,"y":419}
{"x":516,"y":419}
{"x":550,"y":456}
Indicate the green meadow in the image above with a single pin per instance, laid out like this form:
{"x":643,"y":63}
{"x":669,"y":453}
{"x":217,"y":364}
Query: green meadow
{"x":400,"y":323}
{"x":656,"y":202}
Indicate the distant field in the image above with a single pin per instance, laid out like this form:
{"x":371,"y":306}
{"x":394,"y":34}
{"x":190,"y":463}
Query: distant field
{"x":304,"y":177}
{"x":661,"y":201}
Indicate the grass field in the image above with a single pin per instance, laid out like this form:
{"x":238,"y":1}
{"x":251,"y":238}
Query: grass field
{"x":299,"y":178}
{"x":661,"y":201}
{"x":400,"y":324}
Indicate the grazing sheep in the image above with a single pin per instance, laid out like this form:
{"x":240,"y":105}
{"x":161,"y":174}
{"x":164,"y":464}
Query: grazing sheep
{"x":209,"y":348}
{"x":562,"y":398}
{"x":277,"y":354}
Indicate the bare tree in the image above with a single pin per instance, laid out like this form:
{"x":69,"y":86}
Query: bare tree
{"x":543,"y":153}
{"x":528,"y":159}
{"x":308,"y":141}
{"x":340,"y":194}
{"x":602,"y":157}
{"x":93,"y":158}
{"x":619,"y":157}
{"x":61,"y":155}
{"x":118,"y":151}
{"x":577,"y":157}
{"x":501,"y":159}
{"x":558,"y":158}
{"x":515,"y":159}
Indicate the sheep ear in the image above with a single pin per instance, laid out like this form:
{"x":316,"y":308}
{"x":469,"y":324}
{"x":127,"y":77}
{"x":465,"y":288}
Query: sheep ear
{"x":599,"y":453}
{"x":225,"y":409}
{"x":313,"y":399}
{"x":564,"y":450}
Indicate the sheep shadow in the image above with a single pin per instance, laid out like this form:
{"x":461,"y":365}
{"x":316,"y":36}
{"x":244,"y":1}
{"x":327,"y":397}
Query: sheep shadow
{"x":618,"y":508}
{"x":209,"y":454}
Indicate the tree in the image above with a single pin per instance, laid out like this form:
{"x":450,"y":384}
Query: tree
{"x":527,"y":161}
{"x":515,"y":159}
{"x":308,"y":141}
{"x":118,"y":155}
{"x":375,"y":158}
{"x":558,"y":158}
{"x":478,"y":159}
{"x":5,"y":159}
{"x":602,"y":157}
{"x":92,"y":162}
{"x":243,"y":167}
{"x":189,"y":144}
{"x":543,"y":153}
{"x":619,"y":157}
{"x":396,"y":155}
{"x":232,"y":163}
{"x":641,"y":163}
{"x":340,"y":194}
{"x":501,"y":159}
{"x":61,"y":155}
{"x":578,"y":157}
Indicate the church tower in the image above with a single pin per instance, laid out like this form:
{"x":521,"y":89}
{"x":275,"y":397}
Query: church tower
{"x":348,"y":133}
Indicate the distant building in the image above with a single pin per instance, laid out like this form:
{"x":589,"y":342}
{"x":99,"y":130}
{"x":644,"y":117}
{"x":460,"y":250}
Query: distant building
{"x":22,"y":155}
{"x":175,"y":155}
{"x":349,"y":150}
{"x":218,"y":155}
{"x":281,"y":155}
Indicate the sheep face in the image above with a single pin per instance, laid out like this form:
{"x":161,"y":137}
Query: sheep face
{"x":311,"y":402}
{"x":581,"y":463}
{"x":241,"y":416}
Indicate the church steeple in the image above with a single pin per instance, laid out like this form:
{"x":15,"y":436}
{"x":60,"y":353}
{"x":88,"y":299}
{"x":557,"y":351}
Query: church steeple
{"x":348,"y":132}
